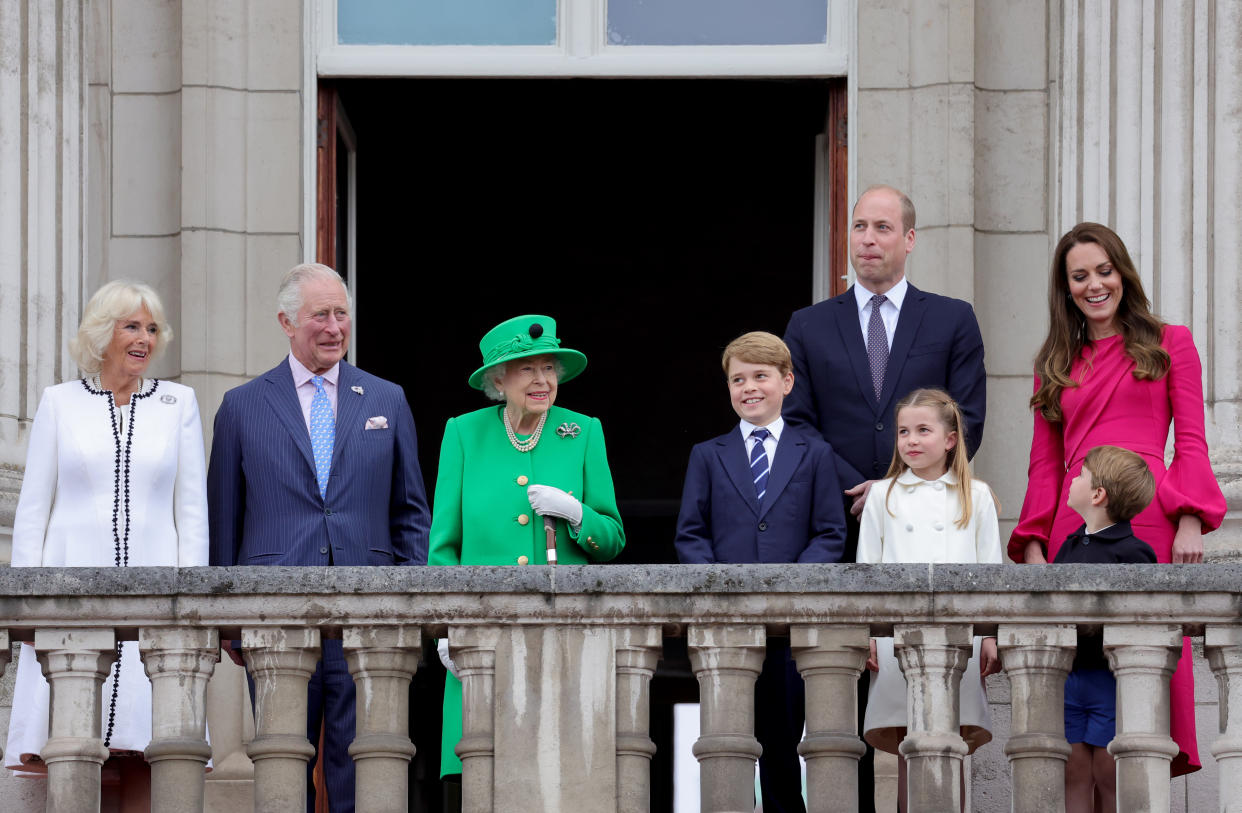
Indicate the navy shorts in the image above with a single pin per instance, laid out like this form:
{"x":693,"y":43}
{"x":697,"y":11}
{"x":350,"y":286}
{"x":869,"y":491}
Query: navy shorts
{"x":1091,"y":707}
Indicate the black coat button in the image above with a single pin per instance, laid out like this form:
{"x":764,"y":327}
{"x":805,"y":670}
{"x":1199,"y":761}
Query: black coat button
{"x":323,"y":550}
{"x":763,"y":526}
{"x":879,"y":427}
{"x":327,"y":512}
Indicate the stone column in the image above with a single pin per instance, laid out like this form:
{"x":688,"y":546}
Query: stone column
{"x":281,"y":661}
{"x":1223,"y":645}
{"x":179,"y":662}
{"x":76,"y":663}
{"x":1037,"y":658}
{"x":473,"y":650}
{"x":638,"y":651}
{"x":382,"y":661}
{"x":933,"y":657}
{"x":1143,"y":657}
{"x":830,"y":660}
{"x":6,"y":653}
{"x":726,"y":659}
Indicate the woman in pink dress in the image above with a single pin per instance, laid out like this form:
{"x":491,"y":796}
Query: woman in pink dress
{"x":1110,"y":372}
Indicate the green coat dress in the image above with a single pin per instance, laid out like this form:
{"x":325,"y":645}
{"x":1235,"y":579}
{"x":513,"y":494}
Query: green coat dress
{"x":481,"y":514}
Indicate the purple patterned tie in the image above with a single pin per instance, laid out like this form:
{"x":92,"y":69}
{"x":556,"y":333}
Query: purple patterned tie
{"x":759,"y":462}
{"x":877,"y":344}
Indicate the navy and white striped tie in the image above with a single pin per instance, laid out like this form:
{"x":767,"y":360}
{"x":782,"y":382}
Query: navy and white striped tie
{"x":759,"y":462}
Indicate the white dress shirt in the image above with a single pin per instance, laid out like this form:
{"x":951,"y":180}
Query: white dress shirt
{"x":306,"y":388}
{"x":889,"y":311}
{"x":769,"y":445}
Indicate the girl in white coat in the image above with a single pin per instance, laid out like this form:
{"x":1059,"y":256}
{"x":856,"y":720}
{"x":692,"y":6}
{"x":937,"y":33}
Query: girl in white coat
{"x":115,"y":476}
{"x":927,"y":509}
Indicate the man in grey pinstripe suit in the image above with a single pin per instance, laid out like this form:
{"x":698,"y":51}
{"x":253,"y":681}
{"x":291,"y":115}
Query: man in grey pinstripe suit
{"x":316,"y":463}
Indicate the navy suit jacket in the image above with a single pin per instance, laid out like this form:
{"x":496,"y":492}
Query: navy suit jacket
{"x":937,"y":344}
{"x":801,"y":518}
{"x":264,"y":506}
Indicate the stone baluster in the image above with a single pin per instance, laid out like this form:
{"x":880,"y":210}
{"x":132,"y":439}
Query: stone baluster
{"x":1143,"y":657}
{"x":473,"y":650}
{"x":933,"y":658}
{"x":1223,"y":644}
{"x":1037,"y":658}
{"x":383,"y":661}
{"x":726,"y":659}
{"x":830,"y":660}
{"x":75,"y":662}
{"x":638,"y":651}
{"x":281,"y":661}
{"x":179,"y":662}
{"x":6,"y":653}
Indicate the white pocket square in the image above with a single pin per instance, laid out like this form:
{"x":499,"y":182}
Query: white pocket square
{"x":378,"y":422}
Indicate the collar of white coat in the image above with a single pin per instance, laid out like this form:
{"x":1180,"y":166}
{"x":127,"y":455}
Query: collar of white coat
{"x":909,"y":478}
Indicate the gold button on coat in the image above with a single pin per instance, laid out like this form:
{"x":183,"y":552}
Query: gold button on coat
{"x":523,"y":519}
{"x":522,"y":479}
{"x":522,"y":560}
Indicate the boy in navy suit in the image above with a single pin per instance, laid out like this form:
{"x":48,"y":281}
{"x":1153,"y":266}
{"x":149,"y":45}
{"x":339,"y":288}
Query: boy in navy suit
{"x":765,"y":492}
{"x":1112,"y":488}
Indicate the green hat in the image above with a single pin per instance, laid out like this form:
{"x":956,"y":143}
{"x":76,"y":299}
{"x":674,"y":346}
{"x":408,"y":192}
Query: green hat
{"x":522,"y":337}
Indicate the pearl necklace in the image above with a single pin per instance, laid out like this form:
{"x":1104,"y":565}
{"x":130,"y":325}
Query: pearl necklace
{"x":530,"y":442}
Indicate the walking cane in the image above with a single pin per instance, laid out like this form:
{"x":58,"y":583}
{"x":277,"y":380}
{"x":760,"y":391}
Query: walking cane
{"x":549,"y":528}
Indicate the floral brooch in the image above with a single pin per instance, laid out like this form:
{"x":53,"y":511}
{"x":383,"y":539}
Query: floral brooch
{"x":569,"y":430}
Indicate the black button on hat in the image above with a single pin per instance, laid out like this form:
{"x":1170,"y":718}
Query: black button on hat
{"x":536,"y":330}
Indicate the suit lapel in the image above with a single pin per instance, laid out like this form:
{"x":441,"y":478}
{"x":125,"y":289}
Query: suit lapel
{"x":731,"y":450}
{"x":349,"y":408}
{"x":283,"y":398}
{"x":908,"y":321}
{"x":855,"y":348}
{"x":791,"y":448}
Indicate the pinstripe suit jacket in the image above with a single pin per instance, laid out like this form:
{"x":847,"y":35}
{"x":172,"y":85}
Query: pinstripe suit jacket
{"x":264,"y":506}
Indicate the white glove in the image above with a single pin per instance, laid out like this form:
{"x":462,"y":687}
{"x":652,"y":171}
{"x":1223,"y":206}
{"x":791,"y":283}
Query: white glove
{"x":442,"y":648}
{"x":550,"y":501}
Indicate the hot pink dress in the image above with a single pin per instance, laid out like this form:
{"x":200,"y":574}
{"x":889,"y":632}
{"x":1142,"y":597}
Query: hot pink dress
{"x":1110,"y":407}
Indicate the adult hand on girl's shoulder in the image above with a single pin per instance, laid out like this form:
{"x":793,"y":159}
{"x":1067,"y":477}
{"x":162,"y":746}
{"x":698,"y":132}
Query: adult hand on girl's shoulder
{"x":1188,"y":541}
{"x":873,"y":662}
{"x":989,"y":661}
{"x":859,"y":493}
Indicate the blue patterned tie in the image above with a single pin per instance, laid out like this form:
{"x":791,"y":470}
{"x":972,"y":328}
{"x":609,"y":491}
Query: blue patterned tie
{"x":877,"y":344}
{"x":322,"y":434}
{"x":759,"y":462}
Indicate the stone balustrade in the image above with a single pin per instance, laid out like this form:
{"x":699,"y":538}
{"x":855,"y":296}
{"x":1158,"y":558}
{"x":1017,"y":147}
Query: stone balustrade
{"x":556,"y":665}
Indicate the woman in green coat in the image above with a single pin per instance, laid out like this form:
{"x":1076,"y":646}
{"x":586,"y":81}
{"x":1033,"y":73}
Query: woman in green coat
{"x":506,"y":470}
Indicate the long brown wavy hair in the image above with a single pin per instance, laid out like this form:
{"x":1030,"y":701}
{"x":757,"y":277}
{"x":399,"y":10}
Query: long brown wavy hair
{"x":1140,"y":329}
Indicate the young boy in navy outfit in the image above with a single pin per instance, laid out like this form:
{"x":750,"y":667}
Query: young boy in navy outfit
{"x":1114,"y":486}
{"x":764,"y":492}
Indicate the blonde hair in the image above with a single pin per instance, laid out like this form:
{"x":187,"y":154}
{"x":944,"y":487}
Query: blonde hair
{"x":1125,"y":478}
{"x":950,"y":416}
{"x":759,"y":347}
{"x":112,"y":302}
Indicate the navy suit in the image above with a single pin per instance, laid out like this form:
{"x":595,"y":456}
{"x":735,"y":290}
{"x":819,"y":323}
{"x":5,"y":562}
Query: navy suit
{"x":801,"y":519}
{"x":937,"y":344}
{"x":264,"y":508}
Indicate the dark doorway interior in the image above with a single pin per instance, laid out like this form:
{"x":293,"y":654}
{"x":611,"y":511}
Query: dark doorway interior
{"x":654,"y":219}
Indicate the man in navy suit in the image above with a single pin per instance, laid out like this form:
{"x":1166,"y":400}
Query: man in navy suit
{"x":857,"y":354}
{"x":765,"y":492}
{"x":316,"y":463}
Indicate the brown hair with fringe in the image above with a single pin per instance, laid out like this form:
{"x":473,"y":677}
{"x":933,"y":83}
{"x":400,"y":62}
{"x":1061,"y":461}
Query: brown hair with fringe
{"x":958,"y":462}
{"x":1125,"y":478}
{"x":759,"y":347}
{"x":1140,"y":329}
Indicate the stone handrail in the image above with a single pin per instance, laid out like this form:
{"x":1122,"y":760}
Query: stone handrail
{"x":563,"y":656}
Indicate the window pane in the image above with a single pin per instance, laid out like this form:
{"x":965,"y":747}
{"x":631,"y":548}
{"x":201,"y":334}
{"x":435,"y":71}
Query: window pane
{"x":717,"y":22}
{"x":446,"y":22}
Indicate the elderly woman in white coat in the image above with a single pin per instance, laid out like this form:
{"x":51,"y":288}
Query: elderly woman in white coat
{"x":115,"y":477}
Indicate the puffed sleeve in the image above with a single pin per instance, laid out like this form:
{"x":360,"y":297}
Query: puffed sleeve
{"x":871,"y":525}
{"x":1190,"y":486}
{"x":190,"y":490}
{"x":34,"y":506}
{"x":601,"y":535}
{"x":1043,"y":486}
{"x":446,"y":524}
{"x":987,"y":525}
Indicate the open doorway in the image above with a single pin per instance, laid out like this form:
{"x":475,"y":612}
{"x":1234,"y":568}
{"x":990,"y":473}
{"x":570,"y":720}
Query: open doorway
{"x":654,"y":219}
